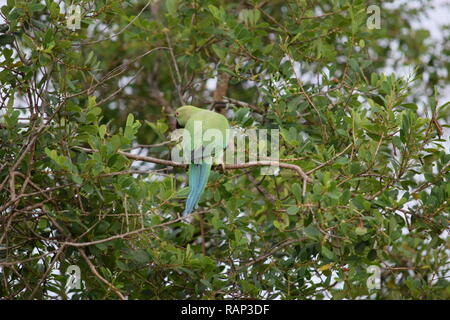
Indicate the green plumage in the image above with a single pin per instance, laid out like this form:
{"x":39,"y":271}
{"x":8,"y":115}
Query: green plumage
{"x":208,"y":132}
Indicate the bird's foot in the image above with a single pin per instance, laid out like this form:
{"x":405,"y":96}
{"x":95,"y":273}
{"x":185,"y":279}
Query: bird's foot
{"x":188,"y":218}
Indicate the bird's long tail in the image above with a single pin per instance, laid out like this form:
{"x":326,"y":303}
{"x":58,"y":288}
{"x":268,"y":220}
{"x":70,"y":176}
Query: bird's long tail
{"x":198,"y":178}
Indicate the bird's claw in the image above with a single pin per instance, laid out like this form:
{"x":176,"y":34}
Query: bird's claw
{"x":187,"y":219}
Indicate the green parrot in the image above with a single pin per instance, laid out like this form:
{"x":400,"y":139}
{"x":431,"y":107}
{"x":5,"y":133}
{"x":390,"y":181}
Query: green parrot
{"x":207,"y":138}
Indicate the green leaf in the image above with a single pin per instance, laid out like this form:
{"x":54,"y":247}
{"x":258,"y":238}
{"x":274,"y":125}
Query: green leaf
{"x":215,"y":11}
{"x":327,"y":253}
{"x":130,"y":120}
{"x":34,"y":7}
{"x":312,"y":232}
{"x":77,"y":179}
{"x":360,"y":231}
{"x":220,"y":51}
{"x":172,"y":7}
{"x":292,"y":210}
{"x":282,"y":222}
{"x":123,"y":266}
{"x":140,"y":256}
{"x":411,"y":106}
{"x":91,"y":102}
{"x":297,"y":191}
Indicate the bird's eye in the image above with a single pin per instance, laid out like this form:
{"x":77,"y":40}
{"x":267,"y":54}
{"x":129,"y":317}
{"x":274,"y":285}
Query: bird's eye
{"x":177,"y":114}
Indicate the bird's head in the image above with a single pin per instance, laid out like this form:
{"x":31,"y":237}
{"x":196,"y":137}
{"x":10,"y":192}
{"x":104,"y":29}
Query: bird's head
{"x":183,"y":113}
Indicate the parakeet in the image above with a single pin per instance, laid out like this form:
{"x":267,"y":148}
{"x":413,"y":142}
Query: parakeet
{"x":208,"y":137}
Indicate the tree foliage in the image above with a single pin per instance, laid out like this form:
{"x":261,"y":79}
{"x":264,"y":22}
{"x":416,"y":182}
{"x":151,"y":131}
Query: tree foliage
{"x":85,"y":172}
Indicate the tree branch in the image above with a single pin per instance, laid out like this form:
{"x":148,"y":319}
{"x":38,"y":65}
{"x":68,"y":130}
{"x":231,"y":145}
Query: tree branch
{"x":95,"y":272}
{"x":243,"y":104}
{"x":289,"y":166}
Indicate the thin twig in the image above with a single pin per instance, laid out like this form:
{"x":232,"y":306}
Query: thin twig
{"x":289,"y":166}
{"x":95,"y":272}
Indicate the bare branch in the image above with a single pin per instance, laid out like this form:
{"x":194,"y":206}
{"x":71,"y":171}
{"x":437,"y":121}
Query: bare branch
{"x":289,"y":166}
{"x":95,"y":272}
